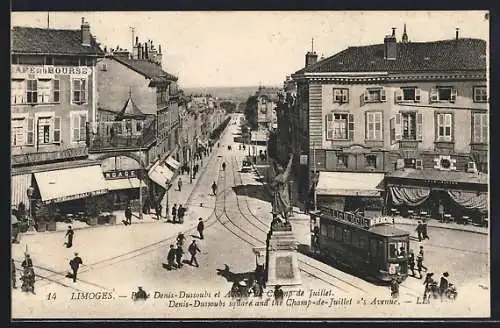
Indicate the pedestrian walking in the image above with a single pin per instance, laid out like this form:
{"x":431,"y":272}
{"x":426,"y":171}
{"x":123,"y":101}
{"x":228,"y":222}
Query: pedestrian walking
{"x":424,"y":230}
{"x":420,"y":266}
{"x":421,"y":254}
{"x":214,"y":189}
{"x":193,"y":250}
{"x":171,"y":258}
{"x":15,"y":227}
{"x":257,"y":289}
{"x":443,"y":283}
{"x":428,"y":283}
{"x":180,"y":213}
{"x":179,"y":252}
{"x":27,"y":263}
{"x":200,"y":227}
{"x":174,"y":213}
{"x":419,"y":231}
{"x":69,"y":236}
{"x":278,"y":293}
{"x":75,"y":265}
{"x":180,"y":239}
{"x":179,"y":184}
{"x":223,"y":166}
{"x":158,"y":209}
{"x":394,"y":288}
{"x":13,"y":273}
{"x":411,"y":262}
{"x":128,"y":214}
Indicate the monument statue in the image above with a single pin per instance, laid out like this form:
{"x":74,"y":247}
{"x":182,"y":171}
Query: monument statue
{"x":279,"y":186}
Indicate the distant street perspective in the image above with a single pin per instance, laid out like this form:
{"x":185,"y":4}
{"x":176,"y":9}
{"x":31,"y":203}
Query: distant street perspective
{"x":358,"y":188}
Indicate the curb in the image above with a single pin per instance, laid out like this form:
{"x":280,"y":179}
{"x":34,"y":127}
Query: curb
{"x":449,"y":228}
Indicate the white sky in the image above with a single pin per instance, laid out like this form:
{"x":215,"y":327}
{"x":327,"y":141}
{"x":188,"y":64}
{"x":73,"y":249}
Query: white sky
{"x":251,"y":48}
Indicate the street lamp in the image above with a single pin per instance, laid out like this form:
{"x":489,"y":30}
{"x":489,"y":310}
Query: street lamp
{"x":29,"y":192}
{"x":167,"y":187}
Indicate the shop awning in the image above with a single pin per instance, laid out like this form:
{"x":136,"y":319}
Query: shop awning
{"x":173,"y":163}
{"x":349,"y":184}
{"x":160,"y":174}
{"x":119,"y":184}
{"x":68,"y":184}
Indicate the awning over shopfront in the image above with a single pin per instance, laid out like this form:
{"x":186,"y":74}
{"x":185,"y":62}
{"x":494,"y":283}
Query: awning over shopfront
{"x":160,"y":174}
{"x":120,"y":184}
{"x":349,"y":184}
{"x":470,"y":200}
{"x":68,"y":184}
{"x":173,"y":163}
{"x":409,"y":195}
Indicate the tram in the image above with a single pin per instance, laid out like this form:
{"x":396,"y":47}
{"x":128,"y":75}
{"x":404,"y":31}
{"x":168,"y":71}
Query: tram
{"x":369,"y":246}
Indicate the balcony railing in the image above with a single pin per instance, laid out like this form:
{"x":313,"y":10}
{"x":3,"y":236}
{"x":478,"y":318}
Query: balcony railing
{"x":121,"y":135}
{"x":52,"y":156}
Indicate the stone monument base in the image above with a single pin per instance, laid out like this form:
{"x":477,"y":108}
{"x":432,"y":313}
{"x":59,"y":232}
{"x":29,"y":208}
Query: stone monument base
{"x":282,"y":266}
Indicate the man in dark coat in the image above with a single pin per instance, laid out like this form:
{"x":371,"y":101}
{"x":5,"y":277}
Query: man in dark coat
{"x":394,"y":288}
{"x":278,"y":293}
{"x":171,"y":258}
{"x":421,"y":255}
{"x":411,"y":262}
{"x":128,"y":214}
{"x":174,"y":213}
{"x":424,"y":230}
{"x":27,"y":263}
{"x":214,"y":188}
{"x":140,"y":294}
{"x":443,"y":284}
{"x":419,"y":231}
{"x":178,"y":255}
{"x":200,"y":227}
{"x":193,"y":250}
{"x":75,"y":265}
{"x":69,"y":235}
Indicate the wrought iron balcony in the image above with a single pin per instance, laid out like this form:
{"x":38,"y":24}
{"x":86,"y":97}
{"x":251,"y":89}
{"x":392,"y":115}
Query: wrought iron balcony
{"x":32,"y":157}
{"x":121,"y":135}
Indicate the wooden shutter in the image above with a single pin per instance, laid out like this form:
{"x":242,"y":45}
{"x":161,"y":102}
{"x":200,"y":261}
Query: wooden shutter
{"x":336,"y":95}
{"x":398,"y":96}
{"x":362,"y":99}
{"x":453,"y":97}
{"x":419,"y":125}
{"x":57,"y":130}
{"x":350,"y":126}
{"x":382,"y":95}
{"x":398,"y":128}
{"x":417,"y":95}
{"x":328,"y":126}
{"x":30,"y":132}
{"x":75,"y":125}
{"x":368,"y":120}
{"x":83,"y":120}
{"x":345,"y":96}
{"x":434,"y":95}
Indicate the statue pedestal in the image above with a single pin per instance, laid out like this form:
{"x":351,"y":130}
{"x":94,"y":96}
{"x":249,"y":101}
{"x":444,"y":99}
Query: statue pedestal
{"x":282,"y":266}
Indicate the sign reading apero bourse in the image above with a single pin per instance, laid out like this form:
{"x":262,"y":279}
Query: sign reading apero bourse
{"x":48,"y":71}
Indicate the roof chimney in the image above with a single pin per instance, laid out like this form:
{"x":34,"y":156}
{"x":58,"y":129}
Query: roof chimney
{"x":85,"y":31}
{"x":456,"y":33}
{"x":404,"y":39}
{"x":390,"y":47}
{"x":311,"y":56}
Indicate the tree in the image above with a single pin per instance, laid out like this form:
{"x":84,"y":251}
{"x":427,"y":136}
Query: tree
{"x":251,"y":112}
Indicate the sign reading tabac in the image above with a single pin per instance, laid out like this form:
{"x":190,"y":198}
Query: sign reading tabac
{"x":48,"y":71}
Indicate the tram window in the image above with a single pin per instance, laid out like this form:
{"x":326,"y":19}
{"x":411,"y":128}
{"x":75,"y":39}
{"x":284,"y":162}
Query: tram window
{"x":347,"y":236}
{"x":397,"y":249}
{"x":338,"y":233}
{"x":355,"y":238}
{"x":393,"y":250}
{"x":363,"y":242}
{"x":323,"y":230}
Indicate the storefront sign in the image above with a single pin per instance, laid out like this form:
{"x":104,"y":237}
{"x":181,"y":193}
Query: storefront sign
{"x":303,"y":159}
{"x":76,"y":196}
{"x":48,"y":71}
{"x":121,"y":174}
{"x":447,"y":182}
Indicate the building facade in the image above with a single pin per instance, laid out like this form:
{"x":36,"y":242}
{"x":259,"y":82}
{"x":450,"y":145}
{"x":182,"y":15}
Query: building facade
{"x":390,"y":107}
{"x":53,"y":96}
{"x":139,"y":121}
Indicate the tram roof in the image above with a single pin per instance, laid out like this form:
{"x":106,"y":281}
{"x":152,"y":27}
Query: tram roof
{"x":388,"y":230}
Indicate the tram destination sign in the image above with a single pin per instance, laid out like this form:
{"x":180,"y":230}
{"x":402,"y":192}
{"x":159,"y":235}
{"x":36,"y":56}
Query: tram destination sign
{"x":358,"y":220}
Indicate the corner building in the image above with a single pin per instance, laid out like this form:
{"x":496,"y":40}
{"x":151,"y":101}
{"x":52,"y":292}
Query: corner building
{"x":412,"y":111}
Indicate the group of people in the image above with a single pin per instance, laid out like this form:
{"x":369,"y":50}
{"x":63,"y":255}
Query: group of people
{"x":418,"y":260}
{"x":178,"y":213}
{"x":28,"y":276}
{"x":441,"y":290}
{"x":422,"y":230}
{"x":175,"y":253}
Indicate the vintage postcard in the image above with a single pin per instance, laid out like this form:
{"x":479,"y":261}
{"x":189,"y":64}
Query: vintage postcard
{"x":250,"y":165}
